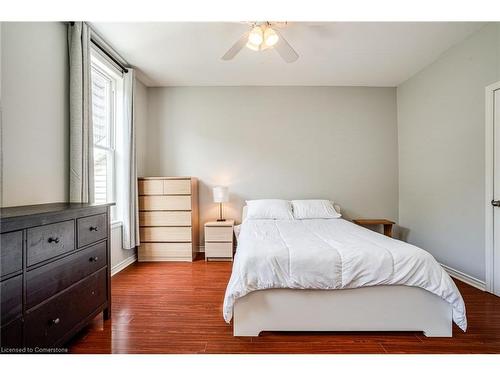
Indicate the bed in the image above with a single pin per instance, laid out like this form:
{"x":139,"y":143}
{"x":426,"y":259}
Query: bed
{"x":332,"y":275}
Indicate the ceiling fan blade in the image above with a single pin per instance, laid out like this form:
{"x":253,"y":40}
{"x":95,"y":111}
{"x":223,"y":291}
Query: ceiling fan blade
{"x":237,"y":47}
{"x":285,"y":50}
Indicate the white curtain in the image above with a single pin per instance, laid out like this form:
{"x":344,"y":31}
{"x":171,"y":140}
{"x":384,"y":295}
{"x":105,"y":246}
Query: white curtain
{"x":81,"y":183}
{"x":128,"y":184}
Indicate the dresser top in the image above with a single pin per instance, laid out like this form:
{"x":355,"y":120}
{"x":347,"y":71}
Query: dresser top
{"x":47,"y":208}
{"x":225,"y":223}
{"x":166,"y":178}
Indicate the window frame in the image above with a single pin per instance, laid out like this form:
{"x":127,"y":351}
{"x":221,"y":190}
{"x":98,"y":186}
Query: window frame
{"x":108,"y":71}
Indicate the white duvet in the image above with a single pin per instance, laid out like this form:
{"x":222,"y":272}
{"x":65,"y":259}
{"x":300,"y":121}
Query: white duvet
{"x":331,"y":254}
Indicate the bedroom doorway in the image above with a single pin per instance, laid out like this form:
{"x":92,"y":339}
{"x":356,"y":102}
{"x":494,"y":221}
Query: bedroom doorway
{"x":493,"y":189}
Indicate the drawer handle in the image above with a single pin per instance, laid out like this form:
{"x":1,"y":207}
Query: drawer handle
{"x":94,"y":229}
{"x":93,"y":259}
{"x":55,"y":321}
{"x":54,"y":239}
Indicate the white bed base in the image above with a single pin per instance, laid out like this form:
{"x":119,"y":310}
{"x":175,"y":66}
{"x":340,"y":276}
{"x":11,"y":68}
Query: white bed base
{"x":376,"y":308}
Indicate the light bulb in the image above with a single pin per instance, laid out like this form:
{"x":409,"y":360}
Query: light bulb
{"x":252,"y":46}
{"x":270,"y":37}
{"x":255,"y":37}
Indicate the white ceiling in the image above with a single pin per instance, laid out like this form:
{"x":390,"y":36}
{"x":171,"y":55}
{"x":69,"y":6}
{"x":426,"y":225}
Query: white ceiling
{"x":331,"y":53}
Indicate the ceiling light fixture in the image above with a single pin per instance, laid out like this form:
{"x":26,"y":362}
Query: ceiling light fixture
{"x":270,"y":37}
{"x":253,"y":47}
{"x":256,"y":36}
{"x":262,"y":37}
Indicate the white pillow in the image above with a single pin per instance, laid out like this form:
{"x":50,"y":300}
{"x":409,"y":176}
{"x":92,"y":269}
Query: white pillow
{"x":314,"y":209}
{"x":275,"y":209}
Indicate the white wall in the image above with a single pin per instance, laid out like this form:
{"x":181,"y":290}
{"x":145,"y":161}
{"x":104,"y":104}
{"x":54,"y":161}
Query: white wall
{"x":441,"y":152}
{"x":34,"y":91}
{"x":287,"y":142}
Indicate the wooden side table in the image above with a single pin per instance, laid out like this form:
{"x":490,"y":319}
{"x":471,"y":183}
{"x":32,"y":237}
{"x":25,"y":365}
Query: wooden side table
{"x":219,"y":240}
{"x":387,"y":224}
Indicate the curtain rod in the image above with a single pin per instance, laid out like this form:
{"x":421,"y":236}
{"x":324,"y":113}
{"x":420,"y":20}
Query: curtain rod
{"x":105,"y":51}
{"x":111,"y":57}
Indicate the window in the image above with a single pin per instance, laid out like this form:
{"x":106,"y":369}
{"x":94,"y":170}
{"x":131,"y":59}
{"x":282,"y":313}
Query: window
{"x":106,"y":105}
{"x":103,"y":98}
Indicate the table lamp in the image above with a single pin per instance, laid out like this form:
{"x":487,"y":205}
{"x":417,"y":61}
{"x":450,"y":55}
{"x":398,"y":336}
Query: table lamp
{"x":221,"y":195}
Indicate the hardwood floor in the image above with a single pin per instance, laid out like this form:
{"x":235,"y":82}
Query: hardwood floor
{"x":177,"y":308}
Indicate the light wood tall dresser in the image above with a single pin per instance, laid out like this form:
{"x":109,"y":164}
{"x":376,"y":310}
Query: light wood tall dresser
{"x":168,"y":218}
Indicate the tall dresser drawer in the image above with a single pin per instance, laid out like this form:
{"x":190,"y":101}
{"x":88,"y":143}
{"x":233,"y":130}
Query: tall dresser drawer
{"x":164,"y":218}
{"x":150,"y":187}
{"x":48,"y":241}
{"x":177,"y":187}
{"x":11,"y":248}
{"x":165,"y":203}
{"x":165,"y":234}
{"x":11,"y":293}
{"x":91,"y":229}
{"x":160,"y":251}
{"x":44,"y":282}
{"x":48,"y":324}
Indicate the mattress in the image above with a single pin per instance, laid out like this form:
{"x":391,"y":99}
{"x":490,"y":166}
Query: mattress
{"x":331,"y":254}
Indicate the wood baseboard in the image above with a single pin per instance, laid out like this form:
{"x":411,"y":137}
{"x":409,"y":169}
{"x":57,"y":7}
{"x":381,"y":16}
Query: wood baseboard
{"x":123,"y":264}
{"x":472,"y":281}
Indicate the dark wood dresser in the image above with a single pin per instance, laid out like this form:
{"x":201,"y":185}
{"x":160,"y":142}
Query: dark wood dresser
{"x":55,"y":272}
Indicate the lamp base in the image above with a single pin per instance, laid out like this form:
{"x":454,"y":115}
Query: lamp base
{"x":220,"y":213}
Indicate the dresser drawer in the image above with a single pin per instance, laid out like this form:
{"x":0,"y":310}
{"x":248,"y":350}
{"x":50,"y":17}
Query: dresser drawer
{"x":11,"y":335}
{"x":44,"y":282}
{"x":219,"y":234}
{"x":48,"y":241}
{"x":91,"y":229}
{"x":11,"y":293}
{"x":218,"y":249}
{"x":160,"y":251}
{"x":150,"y":187}
{"x":46,"y":325}
{"x":165,"y":203}
{"x":165,"y":234}
{"x":164,"y":218}
{"x":177,"y":187}
{"x":11,"y":248}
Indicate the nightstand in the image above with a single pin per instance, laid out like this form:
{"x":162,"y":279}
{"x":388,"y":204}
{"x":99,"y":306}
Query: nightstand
{"x":219,"y":240}
{"x":387,"y":224}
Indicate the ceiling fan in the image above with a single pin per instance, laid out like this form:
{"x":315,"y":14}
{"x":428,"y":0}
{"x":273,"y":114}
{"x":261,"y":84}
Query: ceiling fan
{"x":262,"y":36}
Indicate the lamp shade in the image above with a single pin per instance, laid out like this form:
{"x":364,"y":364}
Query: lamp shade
{"x":221,"y":194}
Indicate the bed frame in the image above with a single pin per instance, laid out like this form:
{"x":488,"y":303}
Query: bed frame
{"x":374,"y":308}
